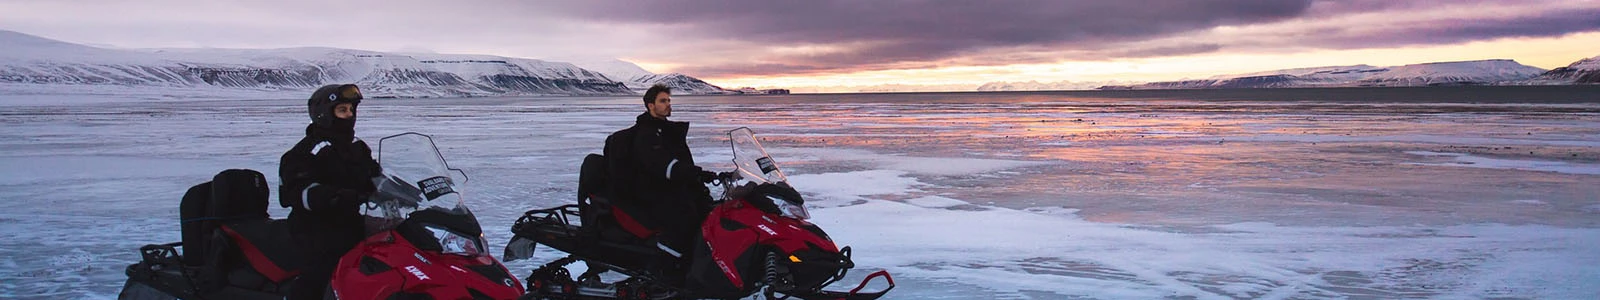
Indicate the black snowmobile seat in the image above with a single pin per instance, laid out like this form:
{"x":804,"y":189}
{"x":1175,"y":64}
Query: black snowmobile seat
{"x":592,"y":200}
{"x":240,"y":199}
{"x":230,"y":195}
{"x":265,"y":245}
{"x":194,"y":223}
{"x":225,"y":221}
{"x":239,"y":194}
{"x":601,"y":216}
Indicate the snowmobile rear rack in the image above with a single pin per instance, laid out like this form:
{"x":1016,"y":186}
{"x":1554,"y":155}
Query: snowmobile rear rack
{"x":161,"y":253}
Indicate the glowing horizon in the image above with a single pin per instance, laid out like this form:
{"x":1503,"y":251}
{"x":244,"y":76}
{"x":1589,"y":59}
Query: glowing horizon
{"x":836,"y":43}
{"x":1545,"y":53}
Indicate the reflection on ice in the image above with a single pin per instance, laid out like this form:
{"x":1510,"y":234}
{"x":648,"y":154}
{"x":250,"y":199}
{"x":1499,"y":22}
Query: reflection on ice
{"x":1465,"y":160}
{"x":1033,"y":197}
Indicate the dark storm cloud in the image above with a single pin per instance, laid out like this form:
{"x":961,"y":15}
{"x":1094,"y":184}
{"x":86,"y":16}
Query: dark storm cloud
{"x":987,"y":22}
{"x":890,"y":34}
{"x":1466,"y":30}
{"x":725,"y":38}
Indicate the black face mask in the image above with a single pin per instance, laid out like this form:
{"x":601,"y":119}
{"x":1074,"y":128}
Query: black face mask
{"x":341,"y":128}
{"x":348,"y":125}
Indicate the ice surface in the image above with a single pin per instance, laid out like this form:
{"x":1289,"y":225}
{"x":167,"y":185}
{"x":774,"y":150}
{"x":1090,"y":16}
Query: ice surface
{"x":830,"y":188}
{"x":1529,"y":202}
{"x":1007,"y":252}
{"x":919,"y":165}
{"x":935,"y":202}
{"x":1043,"y":199}
{"x":1464,"y":160}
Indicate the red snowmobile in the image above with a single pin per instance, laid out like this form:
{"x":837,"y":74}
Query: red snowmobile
{"x":422,"y":241}
{"x":755,"y":240}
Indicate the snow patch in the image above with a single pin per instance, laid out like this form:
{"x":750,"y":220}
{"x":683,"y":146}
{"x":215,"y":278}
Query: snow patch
{"x":935,"y":202}
{"x":1055,"y":211}
{"x":1409,"y":138}
{"x":1592,"y":208}
{"x":833,"y":188}
{"x":942,"y":166}
{"x":1465,"y":160}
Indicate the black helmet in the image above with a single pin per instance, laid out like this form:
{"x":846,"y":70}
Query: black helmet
{"x":325,"y":98}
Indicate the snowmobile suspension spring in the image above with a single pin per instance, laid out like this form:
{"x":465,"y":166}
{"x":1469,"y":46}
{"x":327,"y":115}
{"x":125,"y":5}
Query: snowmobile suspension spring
{"x":772,"y":269}
{"x":772,"y":277}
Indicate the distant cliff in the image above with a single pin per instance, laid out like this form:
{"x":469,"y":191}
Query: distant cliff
{"x":1584,"y":71}
{"x":1482,"y":72}
{"x":33,"y":63}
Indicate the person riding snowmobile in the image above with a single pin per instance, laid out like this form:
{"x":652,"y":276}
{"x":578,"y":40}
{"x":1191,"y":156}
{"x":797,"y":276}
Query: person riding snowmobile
{"x":325,"y":178}
{"x":653,"y":177}
{"x":756,"y":239}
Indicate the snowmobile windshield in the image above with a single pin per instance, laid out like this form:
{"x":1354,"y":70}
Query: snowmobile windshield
{"x":752,"y":160}
{"x":758,"y":168}
{"x":415,"y":177}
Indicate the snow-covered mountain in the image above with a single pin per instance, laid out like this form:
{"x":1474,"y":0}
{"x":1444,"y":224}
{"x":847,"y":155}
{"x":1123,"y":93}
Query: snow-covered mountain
{"x":680,"y":84}
{"x":1314,"y":75}
{"x":30,"y":63}
{"x":1453,"y":73}
{"x":1480,"y":72}
{"x":616,"y":69}
{"x":1584,"y":71}
{"x":1299,"y":77}
{"x":639,"y":80}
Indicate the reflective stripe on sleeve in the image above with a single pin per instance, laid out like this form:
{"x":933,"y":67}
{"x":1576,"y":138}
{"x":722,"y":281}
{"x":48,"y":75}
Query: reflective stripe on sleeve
{"x":318,"y":147}
{"x":305,"y":200}
{"x":668,"y":250}
{"x":669,"y":168}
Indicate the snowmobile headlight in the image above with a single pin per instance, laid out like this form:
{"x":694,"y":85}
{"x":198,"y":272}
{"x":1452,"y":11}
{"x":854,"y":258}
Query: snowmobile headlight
{"x":789,"y":209}
{"x":454,"y":243}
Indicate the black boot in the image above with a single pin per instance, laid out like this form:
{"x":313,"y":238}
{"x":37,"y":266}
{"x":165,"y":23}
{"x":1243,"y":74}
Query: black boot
{"x":591,"y":278}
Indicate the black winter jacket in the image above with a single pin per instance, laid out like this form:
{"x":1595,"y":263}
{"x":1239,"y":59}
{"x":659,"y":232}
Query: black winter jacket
{"x":325,"y":177}
{"x":652,"y":171}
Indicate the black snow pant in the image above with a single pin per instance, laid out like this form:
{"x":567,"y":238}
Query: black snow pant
{"x":321,"y":248}
{"x":680,"y":232}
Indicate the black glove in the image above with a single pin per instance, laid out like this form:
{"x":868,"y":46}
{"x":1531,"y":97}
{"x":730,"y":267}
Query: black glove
{"x":707,"y":176}
{"x":728,"y":176}
{"x":349,"y":199}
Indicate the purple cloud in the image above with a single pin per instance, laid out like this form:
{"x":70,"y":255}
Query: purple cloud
{"x":890,"y":34}
{"x":725,"y":38}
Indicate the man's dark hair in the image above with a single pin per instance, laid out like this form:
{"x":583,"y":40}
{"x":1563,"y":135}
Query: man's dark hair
{"x":650,"y":95}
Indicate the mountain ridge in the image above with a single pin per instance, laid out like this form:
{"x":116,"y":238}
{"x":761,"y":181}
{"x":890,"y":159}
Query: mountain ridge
{"x":1583,"y":71}
{"x":32,"y":60}
{"x":1473,"y":72}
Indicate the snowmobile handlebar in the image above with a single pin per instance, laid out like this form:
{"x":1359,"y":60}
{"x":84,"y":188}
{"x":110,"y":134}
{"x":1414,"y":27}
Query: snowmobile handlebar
{"x":726,"y":178}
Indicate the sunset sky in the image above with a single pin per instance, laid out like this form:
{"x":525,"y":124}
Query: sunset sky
{"x":831,"y":44}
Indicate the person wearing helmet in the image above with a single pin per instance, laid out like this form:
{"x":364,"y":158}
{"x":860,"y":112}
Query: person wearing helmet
{"x":325,"y":179}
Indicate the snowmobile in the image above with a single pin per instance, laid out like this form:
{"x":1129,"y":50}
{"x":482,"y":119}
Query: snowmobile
{"x":422,"y":240}
{"x":755,"y":240}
